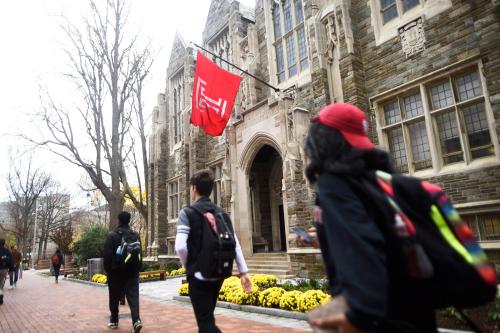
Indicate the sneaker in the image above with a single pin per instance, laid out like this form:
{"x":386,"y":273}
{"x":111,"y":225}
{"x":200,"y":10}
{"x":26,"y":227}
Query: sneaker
{"x":113,"y":326}
{"x":137,"y":327}
{"x":11,"y":287}
{"x":1,"y":299}
{"x":15,"y":285}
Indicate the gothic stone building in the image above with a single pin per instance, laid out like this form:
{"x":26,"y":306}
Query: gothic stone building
{"x":427,"y":72}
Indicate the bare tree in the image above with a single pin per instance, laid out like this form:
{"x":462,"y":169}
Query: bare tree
{"x":63,"y":237}
{"x":53,"y":214}
{"x":108,"y":68}
{"x":25,"y":184}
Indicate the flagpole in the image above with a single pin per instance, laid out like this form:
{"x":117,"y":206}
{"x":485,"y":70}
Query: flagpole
{"x":238,"y":68}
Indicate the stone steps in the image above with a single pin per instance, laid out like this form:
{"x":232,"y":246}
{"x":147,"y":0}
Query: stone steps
{"x":269,"y":263}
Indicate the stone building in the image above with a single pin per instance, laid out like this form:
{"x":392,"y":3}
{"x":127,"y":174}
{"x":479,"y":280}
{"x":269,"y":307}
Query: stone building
{"x":427,"y":72}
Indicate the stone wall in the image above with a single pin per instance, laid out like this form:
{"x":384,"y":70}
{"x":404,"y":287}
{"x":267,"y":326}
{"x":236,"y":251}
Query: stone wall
{"x":308,"y":265}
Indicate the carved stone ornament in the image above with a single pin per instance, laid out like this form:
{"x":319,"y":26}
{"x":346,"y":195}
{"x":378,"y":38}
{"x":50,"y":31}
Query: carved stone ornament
{"x":331,"y":36}
{"x":412,"y":37}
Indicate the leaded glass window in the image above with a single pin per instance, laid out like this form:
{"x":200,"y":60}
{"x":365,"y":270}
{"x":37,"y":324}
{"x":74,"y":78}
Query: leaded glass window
{"x":290,"y":42}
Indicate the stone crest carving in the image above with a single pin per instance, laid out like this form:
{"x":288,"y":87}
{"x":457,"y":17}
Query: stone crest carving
{"x":412,"y":37}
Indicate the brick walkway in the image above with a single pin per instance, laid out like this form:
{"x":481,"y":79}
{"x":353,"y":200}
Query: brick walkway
{"x":38,"y":305}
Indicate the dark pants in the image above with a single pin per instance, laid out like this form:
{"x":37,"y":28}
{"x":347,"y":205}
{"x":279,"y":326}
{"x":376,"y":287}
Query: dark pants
{"x":118,"y":284}
{"x":56,"y":271}
{"x":14,"y":275}
{"x":204,"y":296}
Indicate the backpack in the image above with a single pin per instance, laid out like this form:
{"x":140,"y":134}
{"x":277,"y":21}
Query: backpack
{"x":218,"y":245}
{"x":442,"y":257}
{"x":5,"y":261}
{"x":55,"y":260}
{"x":128,"y":254}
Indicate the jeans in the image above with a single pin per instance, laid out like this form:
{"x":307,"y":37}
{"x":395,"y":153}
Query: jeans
{"x":14,"y":276}
{"x":56,"y":271}
{"x":203,"y":295}
{"x":119,"y":283}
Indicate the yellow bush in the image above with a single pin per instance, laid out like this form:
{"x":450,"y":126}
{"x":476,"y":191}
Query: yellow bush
{"x":184,"y":290}
{"x":100,"y":278}
{"x":290,"y":300}
{"x":238,"y":295}
{"x":264,"y":281}
{"x":228,"y":287}
{"x":311,"y":299}
{"x":270,"y":297}
{"x":180,"y":271}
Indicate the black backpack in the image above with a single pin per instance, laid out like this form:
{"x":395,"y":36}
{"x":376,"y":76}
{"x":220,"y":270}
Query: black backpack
{"x":128,"y":255}
{"x":5,"y":261}
{"x":218,"y":248}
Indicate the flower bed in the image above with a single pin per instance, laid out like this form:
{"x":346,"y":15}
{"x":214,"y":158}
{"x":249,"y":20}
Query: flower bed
{"x":266,"y":293}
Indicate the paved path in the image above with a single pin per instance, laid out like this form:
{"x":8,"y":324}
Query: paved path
{"x":39,"y":305}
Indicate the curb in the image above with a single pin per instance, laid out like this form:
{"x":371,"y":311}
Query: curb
{"x":90,"y":283}
{"x":252,"y":309}
{"x":277,"y":312}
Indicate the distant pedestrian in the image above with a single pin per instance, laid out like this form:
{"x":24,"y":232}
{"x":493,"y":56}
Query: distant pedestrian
{"x":122,"y":262}
{"x":6,"y":264}
{"x":207,"y":245}
{"x":17,"y":258}
{"x":57,"y":260}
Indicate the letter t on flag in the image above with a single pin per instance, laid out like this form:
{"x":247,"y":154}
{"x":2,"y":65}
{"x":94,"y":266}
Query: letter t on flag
{"x":214,"y":92}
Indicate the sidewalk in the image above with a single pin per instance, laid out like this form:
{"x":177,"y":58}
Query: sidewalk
{"x":39,"y":305}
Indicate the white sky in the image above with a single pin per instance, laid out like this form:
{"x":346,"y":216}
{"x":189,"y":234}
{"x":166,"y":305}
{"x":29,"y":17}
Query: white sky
{"x":31,"y":53}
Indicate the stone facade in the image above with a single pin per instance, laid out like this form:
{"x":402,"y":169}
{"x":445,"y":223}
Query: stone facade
{"x":351,"y":53}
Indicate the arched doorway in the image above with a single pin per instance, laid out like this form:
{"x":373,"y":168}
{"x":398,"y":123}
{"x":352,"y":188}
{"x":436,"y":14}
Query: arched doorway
{"x":266,"y":201}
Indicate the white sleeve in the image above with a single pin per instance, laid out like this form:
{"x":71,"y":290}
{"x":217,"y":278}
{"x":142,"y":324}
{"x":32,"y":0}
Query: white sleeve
{"x":182,"y":237}
{"x":240,"y":260}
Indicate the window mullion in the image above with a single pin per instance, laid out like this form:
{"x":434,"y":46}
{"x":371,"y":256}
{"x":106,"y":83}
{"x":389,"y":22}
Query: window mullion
{"x":460,"y":125}
{"x":399,"y":7}
{"x":431,"y":133}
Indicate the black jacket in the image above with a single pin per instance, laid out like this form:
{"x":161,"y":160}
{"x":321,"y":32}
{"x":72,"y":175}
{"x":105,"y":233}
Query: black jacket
{"x":112,"y":242}
{"x":61,"y":259}
{"x":5,"y":252}
{"x":362,"y":259}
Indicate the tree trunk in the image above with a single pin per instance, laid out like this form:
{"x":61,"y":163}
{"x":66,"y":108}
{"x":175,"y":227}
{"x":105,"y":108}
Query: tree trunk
{"x":45,"y":241}
{"x":115,"y":208}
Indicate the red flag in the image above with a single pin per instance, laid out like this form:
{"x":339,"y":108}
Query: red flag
{"x":214,"y":92}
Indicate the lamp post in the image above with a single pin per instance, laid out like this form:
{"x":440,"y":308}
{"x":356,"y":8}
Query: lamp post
{"x":34,"y":236}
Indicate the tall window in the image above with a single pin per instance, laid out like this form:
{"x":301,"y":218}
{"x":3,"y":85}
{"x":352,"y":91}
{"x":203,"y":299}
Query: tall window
{"x":177,"y":104}
{"x":222,"y":47}
{"x":289,"y":39}
{"x":391,"y":9}
{"x":173,"y":199}
{"x":456,"y":109}
{"x":486,"y":226}
{"x":217,"y":191}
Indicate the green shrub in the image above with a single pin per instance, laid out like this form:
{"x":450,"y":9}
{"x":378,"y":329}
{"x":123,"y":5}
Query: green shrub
{"x":91,"y":244}
{"x":170,"y":266}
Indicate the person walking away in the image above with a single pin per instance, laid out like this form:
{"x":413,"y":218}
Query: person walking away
{"x":394,"y":247}
{"x":202,"y":230}
{"x":122,"y":262}
{"x":17,"y":258}
{"x":6,"y":264}
{"x":57,"y":260}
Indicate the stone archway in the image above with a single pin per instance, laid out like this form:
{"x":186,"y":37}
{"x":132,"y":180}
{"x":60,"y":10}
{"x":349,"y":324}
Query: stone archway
{"x":265,"y":178}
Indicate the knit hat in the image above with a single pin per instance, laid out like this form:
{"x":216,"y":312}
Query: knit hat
{"x":349,"y":120}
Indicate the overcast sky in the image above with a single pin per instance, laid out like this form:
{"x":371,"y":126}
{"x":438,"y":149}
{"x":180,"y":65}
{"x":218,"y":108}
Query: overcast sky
{"x":31,"y":54}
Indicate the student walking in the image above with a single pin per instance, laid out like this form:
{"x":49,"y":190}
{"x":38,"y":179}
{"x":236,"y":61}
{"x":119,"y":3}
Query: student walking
{"x":394,"y":247}
{"x":17,"y":258}
{"x":122,"y":262}
{"x":6,"y":264}
{"x":207,"y":245}
{"x":57,"y":260}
